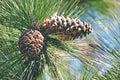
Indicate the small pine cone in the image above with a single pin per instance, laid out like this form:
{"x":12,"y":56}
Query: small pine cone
{"x":31,"y":43}
{"x":66,"y":26}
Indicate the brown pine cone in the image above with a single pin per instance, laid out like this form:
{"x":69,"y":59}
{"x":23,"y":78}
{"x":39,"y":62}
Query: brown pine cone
{"x":31,"y":43}
{"x":66,"y":26}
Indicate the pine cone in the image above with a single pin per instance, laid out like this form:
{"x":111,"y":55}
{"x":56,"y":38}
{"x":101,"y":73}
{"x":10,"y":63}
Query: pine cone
{"x":31,"y":43}
{"x":66,"y":26}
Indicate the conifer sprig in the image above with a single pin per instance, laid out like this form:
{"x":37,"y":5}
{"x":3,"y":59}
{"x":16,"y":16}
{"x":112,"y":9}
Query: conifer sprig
{"x":50,"y":59}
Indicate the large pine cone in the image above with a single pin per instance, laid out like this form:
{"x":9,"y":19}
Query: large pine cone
{"x":31,"y":43}
{"x":66,"y":26}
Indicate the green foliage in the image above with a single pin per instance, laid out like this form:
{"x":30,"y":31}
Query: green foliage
{"x":18,"y":15}
{"x":21,"y":14}
{"x":114,"y":73}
